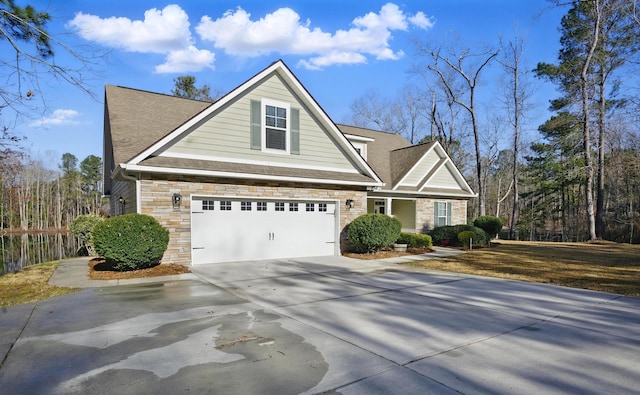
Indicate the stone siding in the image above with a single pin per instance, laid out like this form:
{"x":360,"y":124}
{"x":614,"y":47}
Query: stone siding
{"x":425,"y":213}
{"x":156,"y":200}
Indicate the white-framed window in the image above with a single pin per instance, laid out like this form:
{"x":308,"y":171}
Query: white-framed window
{"x":293,"y":206}
{"x":442,"y":214}
{"x":310,"y":207}
{"x":279,"y":206}
{"x":225,"y":205}
{"x":261,"y":206}
{"x":275,"y":126}
{"x":322,"y":207}
{"x":208,"y":205}
{"x":245,"y":206}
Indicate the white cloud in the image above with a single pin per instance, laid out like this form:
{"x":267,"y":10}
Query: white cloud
{"x":334,"y":58}
{"x":191,"y":59}
{"x":168,"y":32}
{"x":283,"y":32}
{"x":58,"y":117}
{"x":165,"y":31}
{"x":421,"y":20}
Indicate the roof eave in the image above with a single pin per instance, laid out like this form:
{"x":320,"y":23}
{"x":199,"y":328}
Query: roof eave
{"x":224,"y":174}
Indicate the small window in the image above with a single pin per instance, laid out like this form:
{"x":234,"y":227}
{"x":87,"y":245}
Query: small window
{"x":279,"y":206}
{"x":322,"y":207}
{"x":293,"y":206}
{"x":208,"y":205}
{"x":245,"y":206}
{"x":275,"y":127}
{"x":310,"y":207}
{"x":442,"y":213}
{"x":261,"y":206}
{"x":225,"y":205}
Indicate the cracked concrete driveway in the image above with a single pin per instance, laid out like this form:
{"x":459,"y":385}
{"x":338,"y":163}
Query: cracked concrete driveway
{"x":327,"y":324}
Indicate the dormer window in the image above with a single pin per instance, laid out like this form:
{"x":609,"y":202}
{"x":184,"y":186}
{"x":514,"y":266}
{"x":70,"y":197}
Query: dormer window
{"x":359,"y":143}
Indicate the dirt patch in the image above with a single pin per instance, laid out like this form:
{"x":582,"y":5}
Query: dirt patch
{"x":387,"y":253}
{"x":100,"y":270}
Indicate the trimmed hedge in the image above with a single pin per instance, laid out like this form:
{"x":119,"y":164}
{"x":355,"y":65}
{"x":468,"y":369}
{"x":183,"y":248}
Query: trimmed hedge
{"x":414,"y":240}
{"x":490,"y":224}
{"x":450,"y":233}
{"x":131,"y":241}
{"x":82,"y":228}
{"x":371,"y":232}
{"x":465,"y":237}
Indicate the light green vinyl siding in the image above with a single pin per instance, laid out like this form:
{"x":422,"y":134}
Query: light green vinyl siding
{"x":405,"y":211}
{"x":227,"y":134}
{"x":444,"y":178}
{"x":418,"y":173}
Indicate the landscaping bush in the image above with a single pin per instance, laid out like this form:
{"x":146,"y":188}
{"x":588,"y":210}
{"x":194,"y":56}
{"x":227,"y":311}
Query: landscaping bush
{"x":490,"y":224}
{"x":82,"y":227}
{"x":415,"y":240}
{"x":371,"y":232}
{"x":465,"y":237}
{"x":450,"y":233}
{"x":131,"y":241}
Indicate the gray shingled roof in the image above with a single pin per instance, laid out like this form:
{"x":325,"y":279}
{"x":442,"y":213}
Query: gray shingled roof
{"x":378,"y":150}
{"x":138,"y":118}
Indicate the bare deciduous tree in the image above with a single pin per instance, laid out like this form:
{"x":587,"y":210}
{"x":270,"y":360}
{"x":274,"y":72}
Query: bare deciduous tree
{"x":458,"y":71}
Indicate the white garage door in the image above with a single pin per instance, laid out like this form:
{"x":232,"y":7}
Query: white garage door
{"x":225,"y":230}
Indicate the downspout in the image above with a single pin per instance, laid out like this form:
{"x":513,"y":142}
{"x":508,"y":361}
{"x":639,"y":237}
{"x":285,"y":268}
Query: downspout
{"x":137,"y":183}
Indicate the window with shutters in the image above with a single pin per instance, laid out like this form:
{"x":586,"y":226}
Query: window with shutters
{"x":275,"y":127}
{"x":275,"y":136}
{"x":442,"y":213}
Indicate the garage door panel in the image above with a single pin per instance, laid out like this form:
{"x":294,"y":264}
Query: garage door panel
{"x":273,"y":232}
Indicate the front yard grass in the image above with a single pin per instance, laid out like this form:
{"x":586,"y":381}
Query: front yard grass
{"x":29,"y":285}
{"x":601,"y":266}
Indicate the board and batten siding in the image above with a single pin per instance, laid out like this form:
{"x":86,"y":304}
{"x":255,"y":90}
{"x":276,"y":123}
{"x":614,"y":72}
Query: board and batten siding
{"x":226,"y":136}
{"x":424,"y":166}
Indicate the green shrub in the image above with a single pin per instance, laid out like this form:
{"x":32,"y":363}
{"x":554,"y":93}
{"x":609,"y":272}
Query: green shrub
{"x":82,"y":227}
{"x":450,"y":233}
{"x":490,"y":224}
{"x":465,"y":237}
{"x":414,"y":240}
{"x":370,"y":232}
{"x":131,"y":241}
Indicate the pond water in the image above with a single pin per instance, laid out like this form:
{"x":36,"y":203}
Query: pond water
{"x":22,"y":250}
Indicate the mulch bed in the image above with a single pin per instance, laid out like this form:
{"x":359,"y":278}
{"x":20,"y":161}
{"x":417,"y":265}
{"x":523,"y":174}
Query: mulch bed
{"x":100,"y":270}
{"x":387,"y":253}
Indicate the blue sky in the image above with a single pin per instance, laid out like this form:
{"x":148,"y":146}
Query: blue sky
{"x":338,"y":49}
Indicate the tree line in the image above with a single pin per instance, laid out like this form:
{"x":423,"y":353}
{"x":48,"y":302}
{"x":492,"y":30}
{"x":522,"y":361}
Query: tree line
{"x":36,"y":198}
{"x":579,"y":177}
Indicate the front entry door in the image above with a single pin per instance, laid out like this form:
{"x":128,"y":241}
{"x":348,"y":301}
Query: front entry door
{"x":379,"y":207}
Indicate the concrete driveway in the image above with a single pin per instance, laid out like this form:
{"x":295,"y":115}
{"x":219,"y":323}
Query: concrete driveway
{"x":328,"y":324}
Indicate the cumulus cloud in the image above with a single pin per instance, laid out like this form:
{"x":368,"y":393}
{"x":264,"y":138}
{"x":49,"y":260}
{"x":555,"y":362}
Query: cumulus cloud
{"x":421,"y":20}
{"x":283,"y":32}
{"x":165,"y":31}
{"x":58,"y":117}
{"x":188,"y":60}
